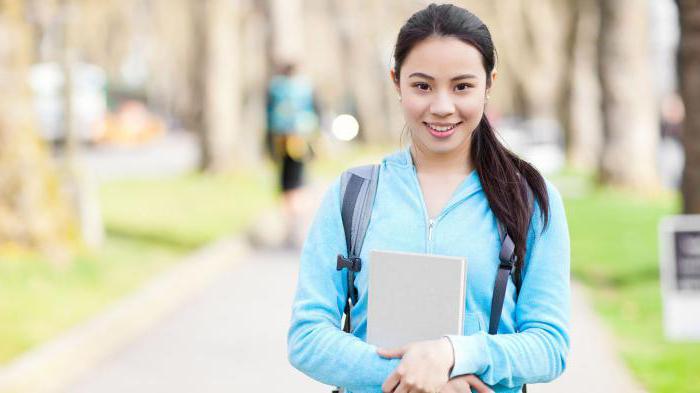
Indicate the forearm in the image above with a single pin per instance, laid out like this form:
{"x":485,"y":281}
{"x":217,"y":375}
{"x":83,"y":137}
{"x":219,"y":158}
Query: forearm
{"x":331,"y":356}
{"x":511,"y":360}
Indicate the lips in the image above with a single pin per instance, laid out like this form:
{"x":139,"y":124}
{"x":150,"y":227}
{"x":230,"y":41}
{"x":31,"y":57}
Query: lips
{"x":441,"y":130}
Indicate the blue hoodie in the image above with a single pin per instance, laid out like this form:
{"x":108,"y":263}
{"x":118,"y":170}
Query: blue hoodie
{"x":465,"y":227}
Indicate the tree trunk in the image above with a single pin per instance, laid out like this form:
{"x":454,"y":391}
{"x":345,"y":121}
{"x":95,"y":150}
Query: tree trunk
{"x":196,"y":120}
{"x":79,"y":181}
{"x":533,"y":51}
{"x":361,"y":61}
{"x":222,"y":91}
{"x":33,"y":212}
{"x":630,"y":118}
{"x":582,"y":117}
{"x":689,"y":65}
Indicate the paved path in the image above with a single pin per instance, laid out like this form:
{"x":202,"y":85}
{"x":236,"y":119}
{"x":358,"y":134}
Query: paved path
{"x":230,"y":338}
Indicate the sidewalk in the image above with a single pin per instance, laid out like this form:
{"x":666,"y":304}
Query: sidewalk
{"x":230,"y":336}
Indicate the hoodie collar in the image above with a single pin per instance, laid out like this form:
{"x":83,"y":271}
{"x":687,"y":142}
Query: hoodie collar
{"x":469,"y":186}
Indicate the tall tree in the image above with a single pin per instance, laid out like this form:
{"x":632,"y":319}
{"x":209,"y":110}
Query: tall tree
{"x":533,"y":42}
{"x":630,"y":118}
{"x":689,"y":65}
{"x":33,"y":211}
{"x":214,"y":78}
{"x":581,"y":115}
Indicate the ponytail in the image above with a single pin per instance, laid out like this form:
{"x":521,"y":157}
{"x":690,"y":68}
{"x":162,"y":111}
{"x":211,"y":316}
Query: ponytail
{"x":499,"y":170}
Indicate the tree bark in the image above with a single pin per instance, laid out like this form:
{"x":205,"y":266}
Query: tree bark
{"x":533,"y":51}
{"x":196,"y":119}
{"x":630,"y":118}
{"x":582,"y":117}
{"x":33,"y":212}
{"x":689,"y":67}
{"x":223,"y":85}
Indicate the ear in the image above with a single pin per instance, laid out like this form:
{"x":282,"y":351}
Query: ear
{"x":395,"y":80}
{"x":494,"y":74}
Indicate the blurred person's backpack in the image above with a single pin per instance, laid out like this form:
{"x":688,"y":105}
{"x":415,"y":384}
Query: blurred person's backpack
{"x":358,"y":188}
{"x":292,"y":117}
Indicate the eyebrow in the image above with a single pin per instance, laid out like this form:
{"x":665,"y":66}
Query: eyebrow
{"x":458,"y":77}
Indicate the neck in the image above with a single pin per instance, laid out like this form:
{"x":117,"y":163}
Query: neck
{"x":456,"y":162}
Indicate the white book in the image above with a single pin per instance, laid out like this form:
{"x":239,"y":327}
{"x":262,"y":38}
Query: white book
{"x":414,"y":297}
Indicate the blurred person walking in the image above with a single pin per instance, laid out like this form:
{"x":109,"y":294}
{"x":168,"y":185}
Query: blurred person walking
{"x":292,"y":119}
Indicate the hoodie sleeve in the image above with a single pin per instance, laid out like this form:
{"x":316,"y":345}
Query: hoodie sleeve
{"x":316,"y":344}
{"x":537,"y":353}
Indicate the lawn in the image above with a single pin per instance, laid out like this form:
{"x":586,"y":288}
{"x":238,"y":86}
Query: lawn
{"x":150,"y":225}
{"x":615,"y":253}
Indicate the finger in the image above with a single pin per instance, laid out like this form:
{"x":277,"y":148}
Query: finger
{"x":390,"y":384}
{"x":402,"y":388}
{"x":391,"y":353}
{"x":458,"y":385}
{"x":449,"y":388}
{"x":478,"y":384}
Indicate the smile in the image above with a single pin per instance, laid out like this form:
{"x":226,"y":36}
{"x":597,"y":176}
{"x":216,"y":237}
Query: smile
{"x":441,"y":130}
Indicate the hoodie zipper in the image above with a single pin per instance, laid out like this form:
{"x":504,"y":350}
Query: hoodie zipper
{"x":431,"y":225}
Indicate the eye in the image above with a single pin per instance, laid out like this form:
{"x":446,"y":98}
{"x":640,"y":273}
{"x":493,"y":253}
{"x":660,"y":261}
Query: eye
{"x":463,"y":87}
{"x":422,"y":86}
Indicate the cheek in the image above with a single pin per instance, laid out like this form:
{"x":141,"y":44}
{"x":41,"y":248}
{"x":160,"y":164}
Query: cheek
{"x":413,"y":108}
{"x":471,"y":109}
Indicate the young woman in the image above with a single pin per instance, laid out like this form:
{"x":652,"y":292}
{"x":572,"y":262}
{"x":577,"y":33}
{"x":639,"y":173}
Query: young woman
{"x":445,"y":194}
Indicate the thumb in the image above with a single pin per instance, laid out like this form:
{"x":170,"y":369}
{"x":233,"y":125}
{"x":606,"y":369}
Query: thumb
{"x":391,"y":353}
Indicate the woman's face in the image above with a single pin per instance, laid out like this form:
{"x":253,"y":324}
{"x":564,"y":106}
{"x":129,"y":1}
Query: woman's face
{"x":443,"y":93}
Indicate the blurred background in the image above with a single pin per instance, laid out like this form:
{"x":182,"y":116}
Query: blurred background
{"x":132,"y":133}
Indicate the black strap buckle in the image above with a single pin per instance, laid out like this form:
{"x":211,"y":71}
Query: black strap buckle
{"x":353,"y":264}
{"x":508,"y":263}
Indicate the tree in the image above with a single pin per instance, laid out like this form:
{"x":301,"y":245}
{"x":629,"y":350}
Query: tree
{"x":33,"y":212}
{"x":215,"y":81}
{"x":630,"y":118}
{"x":580,"y":105}
{"x":532,"y":41}
{"x":689,"y":66}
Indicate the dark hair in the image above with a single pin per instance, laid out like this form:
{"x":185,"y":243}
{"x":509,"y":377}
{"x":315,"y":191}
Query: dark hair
{"x":498,"y":168}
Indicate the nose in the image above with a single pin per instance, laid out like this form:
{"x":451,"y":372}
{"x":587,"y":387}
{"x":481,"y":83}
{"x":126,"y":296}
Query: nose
{"x":442,"y":105}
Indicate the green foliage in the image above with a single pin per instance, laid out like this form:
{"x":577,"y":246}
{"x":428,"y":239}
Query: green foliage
{"x":615,"y":253}
{"x":150,"y":224}
{"x":184,"y":212}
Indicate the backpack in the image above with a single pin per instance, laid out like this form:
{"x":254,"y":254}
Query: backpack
{"x":358,"y":187}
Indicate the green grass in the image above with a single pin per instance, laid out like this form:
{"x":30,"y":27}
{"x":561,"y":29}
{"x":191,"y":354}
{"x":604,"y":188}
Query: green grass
{"x":615,"y":253}
{"x":150,"y":225}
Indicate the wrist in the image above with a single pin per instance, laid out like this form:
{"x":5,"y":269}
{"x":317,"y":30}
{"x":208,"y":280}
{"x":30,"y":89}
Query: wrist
{"x":449,"y":352}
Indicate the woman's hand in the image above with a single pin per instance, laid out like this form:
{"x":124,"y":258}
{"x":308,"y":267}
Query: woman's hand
{"x":424,"y":368}
{"x":464,"y":384}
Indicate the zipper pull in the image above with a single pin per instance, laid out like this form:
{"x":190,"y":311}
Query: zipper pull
{"x":431,"y":224}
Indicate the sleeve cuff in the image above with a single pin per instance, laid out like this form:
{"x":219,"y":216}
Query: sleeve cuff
{"x":470,"y":354}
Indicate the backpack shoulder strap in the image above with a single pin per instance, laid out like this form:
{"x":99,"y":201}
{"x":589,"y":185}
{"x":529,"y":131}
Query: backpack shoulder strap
{"x":508,"y":263}
{"x":358,"y":187}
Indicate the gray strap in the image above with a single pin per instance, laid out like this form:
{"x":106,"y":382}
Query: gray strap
{"x":364,"y":207}
{"x":352,"y":191}
{"x":508,"y":260}
{"x":358,"y":188}
{"x":499,"y":293}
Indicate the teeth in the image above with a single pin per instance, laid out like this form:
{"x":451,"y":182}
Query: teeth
{"x":441,"y":129}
